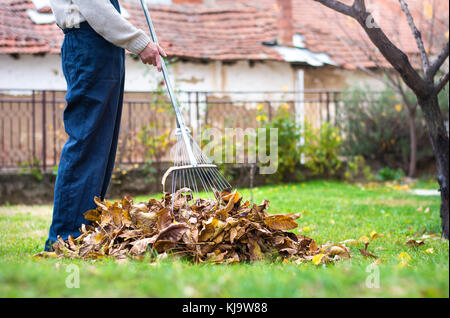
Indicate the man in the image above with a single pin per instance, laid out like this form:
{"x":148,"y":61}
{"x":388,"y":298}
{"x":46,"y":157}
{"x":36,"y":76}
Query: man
{"x":93,"y":59}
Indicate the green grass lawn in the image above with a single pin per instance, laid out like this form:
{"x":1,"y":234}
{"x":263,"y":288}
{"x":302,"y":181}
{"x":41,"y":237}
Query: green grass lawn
{"x":334,"y":212}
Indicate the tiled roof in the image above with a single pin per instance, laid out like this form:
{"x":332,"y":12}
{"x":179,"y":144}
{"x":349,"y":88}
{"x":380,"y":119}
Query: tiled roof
{"x":235,"y":29}
{"x":344,"y":39}
{"x":17,"y":34}
{"x":226,"y":33}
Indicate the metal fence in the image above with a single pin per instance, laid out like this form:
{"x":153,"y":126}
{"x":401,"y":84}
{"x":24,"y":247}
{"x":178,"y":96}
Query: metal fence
{"x":32,"y":130}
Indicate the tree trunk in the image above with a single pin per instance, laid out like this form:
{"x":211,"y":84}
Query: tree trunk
{"x":440,"y":143}
{"x":412,"y":142}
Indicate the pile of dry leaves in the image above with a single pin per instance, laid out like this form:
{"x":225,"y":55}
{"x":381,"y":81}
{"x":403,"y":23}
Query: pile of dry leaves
{"x":224,"y":231}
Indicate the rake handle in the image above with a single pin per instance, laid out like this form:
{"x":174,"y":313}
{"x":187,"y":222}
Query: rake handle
{"x":179,"y":117}
{"x":180,"y":120}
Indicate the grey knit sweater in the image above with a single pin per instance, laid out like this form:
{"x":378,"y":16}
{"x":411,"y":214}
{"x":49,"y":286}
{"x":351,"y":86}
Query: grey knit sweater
{"x":103,"y":18}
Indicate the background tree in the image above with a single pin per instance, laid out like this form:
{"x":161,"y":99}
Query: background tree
{"x":431,"y":25}
{"x":421,"y":82}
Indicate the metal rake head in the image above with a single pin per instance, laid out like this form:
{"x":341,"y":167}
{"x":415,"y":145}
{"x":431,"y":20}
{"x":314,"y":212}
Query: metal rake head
{"x":193,"y":175}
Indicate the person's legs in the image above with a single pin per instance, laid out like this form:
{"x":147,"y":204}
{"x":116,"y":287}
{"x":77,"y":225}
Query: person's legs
{"x":94,"y":70}
{"x":113,"y":150}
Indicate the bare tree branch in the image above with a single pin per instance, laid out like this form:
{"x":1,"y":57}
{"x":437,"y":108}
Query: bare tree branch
{"x":391,"y":79}
{"x":397,"y":58}
{"x":365,"y":49}
{"x":442,"y":82}
{"x":417,"y":36}
{"x":337,"y":6}
{"x":436,"y":65}
{"x":359,"y":7}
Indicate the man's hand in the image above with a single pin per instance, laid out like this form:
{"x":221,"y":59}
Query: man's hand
{"x":150,"y":55}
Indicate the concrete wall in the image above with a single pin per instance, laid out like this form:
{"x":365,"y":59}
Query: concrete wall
{"x":44,"y":72}
{"x":329,"y":77}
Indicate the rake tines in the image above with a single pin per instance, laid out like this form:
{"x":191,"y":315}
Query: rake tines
{"x":193,"y":175}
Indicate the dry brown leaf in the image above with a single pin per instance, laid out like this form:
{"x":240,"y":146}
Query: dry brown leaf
{"x":146,"y":221}
{"x":339,"y":250}
{"x":229,"y":205}
{"x":414,"y":243}
{"x":140,"y":246}
{"x":45,"y":254}
{"x":163,"y":246}
{"x":164,"y":218}
{"x":365,"y":253}
{"x":173,"y":232}
{"x":280,"y":222}
{"x":92,"y":215}
{"x":350,"y":242}
{"x":101,"y":204}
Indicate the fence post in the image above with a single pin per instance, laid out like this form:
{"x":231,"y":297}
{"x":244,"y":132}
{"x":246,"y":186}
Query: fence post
{"x":320,"y":108}
{"x":206,"y":108}
{"x":193,"y":112}
{"x":299,"y":108}
{"x":33,"y":127}
{"x":131,"y":132}
{"x":197,"y":105}
{"x":335,"y":101}
{"x":327,"y":100}
{"x":189,"y":111}
{"x":44,"y":133}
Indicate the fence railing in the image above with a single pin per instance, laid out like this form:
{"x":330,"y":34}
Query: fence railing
{"x":32,"y":130}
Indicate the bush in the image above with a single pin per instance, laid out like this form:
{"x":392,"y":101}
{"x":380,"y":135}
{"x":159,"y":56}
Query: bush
{"x":376,"y":127}
{"x":289,"y":152}
{"x":388,"y":174}
{"x":33,"y":167}
{"x":321,"y":149}
{"x":358,"y":170}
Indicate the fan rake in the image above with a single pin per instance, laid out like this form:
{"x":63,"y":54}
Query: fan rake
{"x":193,"y":174}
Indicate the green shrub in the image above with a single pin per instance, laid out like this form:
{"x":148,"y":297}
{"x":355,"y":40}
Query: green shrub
{"x":33,"y":167}
{"x":289,"y":150}
{"x":321,"y":149}
{"x":375,"y":126}
{"x":388,"y":174}
{"x":357,"y":169}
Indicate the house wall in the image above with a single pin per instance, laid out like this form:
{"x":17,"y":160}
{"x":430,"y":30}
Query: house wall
{"x":31,"y":72}
{"x":330,"y":77}
{"x":45,"y":72}
{"x":237,"y":76}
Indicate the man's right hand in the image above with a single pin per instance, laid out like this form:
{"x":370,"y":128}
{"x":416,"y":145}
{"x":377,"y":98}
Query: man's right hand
{"x":150,"y":55}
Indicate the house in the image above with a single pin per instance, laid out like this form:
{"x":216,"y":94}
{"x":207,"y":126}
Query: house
{"x":259,"y":49}
{"x":226,"y":45}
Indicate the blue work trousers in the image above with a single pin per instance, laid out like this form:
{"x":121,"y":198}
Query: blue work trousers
{"x":94,"y":70}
